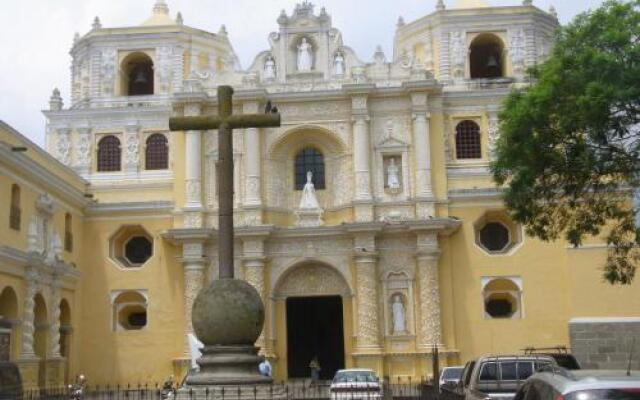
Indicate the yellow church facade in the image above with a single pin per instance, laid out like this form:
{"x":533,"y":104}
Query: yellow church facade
{"x":110,"y":233}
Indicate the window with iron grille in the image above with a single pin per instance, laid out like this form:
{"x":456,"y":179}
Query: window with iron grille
{"x":309,"y":159}
{"x":157,"y":152}
{"x":109,"y":154}
{"x":15,"y":212}
{"x":68,"y":233}
{"x":468,"y":140}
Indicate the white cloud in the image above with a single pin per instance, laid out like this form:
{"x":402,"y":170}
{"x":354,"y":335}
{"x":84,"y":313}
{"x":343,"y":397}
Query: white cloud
{"x":37,"y":35}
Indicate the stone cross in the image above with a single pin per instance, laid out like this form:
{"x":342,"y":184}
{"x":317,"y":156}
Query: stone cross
{"x":225,"y":122}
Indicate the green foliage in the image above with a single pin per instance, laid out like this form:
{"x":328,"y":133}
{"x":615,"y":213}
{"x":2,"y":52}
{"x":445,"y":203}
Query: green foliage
{"x":568,"y":152}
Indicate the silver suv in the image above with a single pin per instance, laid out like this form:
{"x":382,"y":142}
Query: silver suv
{"x":498,"y":377}
{"x":561,"y":384}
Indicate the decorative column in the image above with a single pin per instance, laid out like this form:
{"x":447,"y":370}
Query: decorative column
{"x":193,"y":173}
{"x":131,"y":147}
{"x":366,"y":261}
{"x":427,"y":257}
{"x":193,"y":262}
{"x":254,"y":269}
{"x":422,"y":144}
{"x":28,"y":319}
{"x":54,"y":330}
{"x":83,"y":150}
{"x":253,"y":170}
{"x":362,"y":159}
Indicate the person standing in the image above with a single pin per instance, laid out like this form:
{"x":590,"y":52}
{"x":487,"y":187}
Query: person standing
{"x":314,"y":365}
{"x":265,"y":368}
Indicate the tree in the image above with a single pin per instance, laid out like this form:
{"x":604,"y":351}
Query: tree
{"x":568,"y":152}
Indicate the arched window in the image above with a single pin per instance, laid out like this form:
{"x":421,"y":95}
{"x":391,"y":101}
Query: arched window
{"x":485,"y":57}
{"x":468,"y":140}
{"x":309,"y":159}
{"x":137,"y":75}
{"x":109,"y":154}
{"x":157,"y":152}
{"x":15,"y":211}
{"x":68,"y":233}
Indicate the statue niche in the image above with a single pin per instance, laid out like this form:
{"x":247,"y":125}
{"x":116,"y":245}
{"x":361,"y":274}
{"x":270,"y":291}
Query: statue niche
{"x":305,"y":56}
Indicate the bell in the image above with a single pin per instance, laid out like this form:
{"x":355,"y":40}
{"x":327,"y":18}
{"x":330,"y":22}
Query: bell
{"x":492,"y":62}
{"x":141,"y":78}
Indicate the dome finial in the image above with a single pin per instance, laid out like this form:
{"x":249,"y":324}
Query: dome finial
{"x":400,"y":22}
{"x":527,"y":2}
{"x":440,"y":6}
{"x":553,"y":12}
{"x":96,"y":23}
{"x":179,"y":19}
{"x":161,"y":7}
{"x":55,"y":101}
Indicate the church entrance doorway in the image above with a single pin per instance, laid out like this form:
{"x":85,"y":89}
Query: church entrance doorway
{"x":314,"y":329}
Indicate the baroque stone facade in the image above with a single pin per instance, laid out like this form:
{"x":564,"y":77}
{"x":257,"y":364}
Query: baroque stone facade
{"x":399,"y":200}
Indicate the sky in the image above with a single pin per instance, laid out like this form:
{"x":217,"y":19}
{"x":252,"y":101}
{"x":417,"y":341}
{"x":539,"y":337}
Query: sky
{"x":36,"y":36}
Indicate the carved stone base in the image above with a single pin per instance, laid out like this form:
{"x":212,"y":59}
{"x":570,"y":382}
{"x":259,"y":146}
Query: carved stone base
{"x":29,"y":372}
{"x":228,"y":365}
{"x":54,"y":372}
{"x":425,"y":209}
{"x":363,"y":212}
{"x":309,"y":217}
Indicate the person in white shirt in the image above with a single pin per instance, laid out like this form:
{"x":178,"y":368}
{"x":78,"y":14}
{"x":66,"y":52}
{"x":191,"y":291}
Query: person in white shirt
{"x":265,"y":368}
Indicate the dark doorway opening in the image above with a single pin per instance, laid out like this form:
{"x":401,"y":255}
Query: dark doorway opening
{"x":314,"y":329}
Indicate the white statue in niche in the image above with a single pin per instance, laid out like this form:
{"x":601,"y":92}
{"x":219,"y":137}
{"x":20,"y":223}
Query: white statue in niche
{"x":309,"y":201}
{"x":270,"y":68}
{"x":338,"y":64}
{"x":397,"y":311}
{"x":393,"y":175}
{"x":305,"y":56}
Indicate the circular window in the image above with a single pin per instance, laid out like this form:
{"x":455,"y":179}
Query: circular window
{"x":138,"y":250}
{"x":494,"y":236}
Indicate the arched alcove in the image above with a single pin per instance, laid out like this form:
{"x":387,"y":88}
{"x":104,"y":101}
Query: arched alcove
{"x":486,"y":57}
{"x":8,"y":317}
{"x":41,"y":325}
{"x":311,"y":279}
{"x":136,"y":75}
{"x":281,"y":166}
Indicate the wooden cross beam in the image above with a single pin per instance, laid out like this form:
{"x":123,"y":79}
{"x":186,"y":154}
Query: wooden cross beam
{"x":225,"y":122}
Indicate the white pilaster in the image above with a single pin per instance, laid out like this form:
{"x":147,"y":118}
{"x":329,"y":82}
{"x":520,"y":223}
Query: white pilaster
{"x":193,"y":262}
{"x":422,"y":143}
{"x":131,"y":147}
{"x":427,"y":256}
{"x":193,"y":173}
{"x":252,"y":161}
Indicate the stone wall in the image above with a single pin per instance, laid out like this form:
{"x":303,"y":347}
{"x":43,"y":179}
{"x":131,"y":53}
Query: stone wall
{"x":604,"y":343}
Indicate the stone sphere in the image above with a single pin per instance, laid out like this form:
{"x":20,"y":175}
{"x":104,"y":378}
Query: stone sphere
{"x":228,"y":312}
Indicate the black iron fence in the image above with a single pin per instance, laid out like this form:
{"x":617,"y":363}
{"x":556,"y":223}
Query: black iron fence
{"x":277,"y":391}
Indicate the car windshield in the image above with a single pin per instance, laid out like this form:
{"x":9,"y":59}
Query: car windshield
{"x":605,"y":394}
{"x":452,"y":373}
{"x":354,"y":376}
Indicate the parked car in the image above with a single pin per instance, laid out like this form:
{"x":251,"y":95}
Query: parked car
{"x":562,"y":384}
{"x":498,"y":377}
{"x":450,"y":376}
{"x":350,"y":384}
{"x":561,"y":354}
